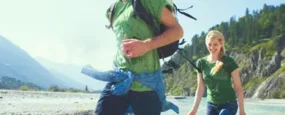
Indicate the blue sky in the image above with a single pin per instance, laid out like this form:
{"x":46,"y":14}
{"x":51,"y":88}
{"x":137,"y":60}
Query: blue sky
{"x":73,"y":31}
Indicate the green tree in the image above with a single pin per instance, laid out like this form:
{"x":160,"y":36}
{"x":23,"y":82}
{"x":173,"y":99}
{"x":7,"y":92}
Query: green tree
{"x":24,"y":88}
{"x":86,"y":88}
{"x":54,"y":88}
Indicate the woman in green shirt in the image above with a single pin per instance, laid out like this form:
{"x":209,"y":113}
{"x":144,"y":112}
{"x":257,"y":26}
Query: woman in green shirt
{"x":217,"y":72}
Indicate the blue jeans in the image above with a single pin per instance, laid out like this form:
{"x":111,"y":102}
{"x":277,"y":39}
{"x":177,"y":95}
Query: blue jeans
{"x":143,"y":103}
{"x":229,"y":108}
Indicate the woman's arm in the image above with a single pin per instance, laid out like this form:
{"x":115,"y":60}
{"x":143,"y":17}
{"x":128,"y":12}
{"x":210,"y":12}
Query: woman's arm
{"x":198,"y":95}
{"x":239,"y":90}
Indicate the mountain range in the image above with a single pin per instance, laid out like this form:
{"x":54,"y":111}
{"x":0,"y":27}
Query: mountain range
{"x":17,"y":63}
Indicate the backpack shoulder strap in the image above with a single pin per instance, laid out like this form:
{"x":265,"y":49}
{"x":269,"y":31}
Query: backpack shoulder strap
{"x":111,"y":11}
{"x":140,"y":11}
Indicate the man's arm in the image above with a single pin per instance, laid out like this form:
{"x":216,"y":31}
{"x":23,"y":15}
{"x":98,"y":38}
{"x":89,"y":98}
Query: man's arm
{"x":173,"y":32}
{"x":134,"y":48}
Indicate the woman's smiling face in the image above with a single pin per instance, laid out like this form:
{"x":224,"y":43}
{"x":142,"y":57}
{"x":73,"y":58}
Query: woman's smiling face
{"x":213,"y":46}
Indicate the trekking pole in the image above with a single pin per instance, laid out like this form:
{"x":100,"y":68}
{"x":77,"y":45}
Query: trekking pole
{"x":191,"y":62}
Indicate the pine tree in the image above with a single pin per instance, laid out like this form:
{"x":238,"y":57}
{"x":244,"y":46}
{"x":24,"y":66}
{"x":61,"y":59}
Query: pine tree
{"x":86,"y":88}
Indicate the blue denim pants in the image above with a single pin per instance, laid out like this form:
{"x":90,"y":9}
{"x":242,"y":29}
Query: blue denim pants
{"x":143,"y":103}
{"x":229,"y":108}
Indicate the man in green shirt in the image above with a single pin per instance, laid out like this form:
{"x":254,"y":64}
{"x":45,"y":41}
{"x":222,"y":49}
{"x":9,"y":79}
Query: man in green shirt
{"x":136,"y":52}
{"x":217,"y":72}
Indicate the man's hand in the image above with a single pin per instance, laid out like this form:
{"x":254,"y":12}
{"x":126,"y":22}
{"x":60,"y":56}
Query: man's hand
{"x":134,"y":47}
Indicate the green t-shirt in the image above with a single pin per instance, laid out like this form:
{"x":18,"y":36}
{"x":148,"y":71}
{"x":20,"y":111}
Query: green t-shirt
{"x":125,"y":26}
{"x":219,"y":86}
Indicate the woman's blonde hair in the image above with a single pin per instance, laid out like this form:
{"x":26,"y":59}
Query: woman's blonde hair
{"x":215,"y":34}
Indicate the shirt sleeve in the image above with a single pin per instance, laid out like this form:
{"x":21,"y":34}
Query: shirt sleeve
{"x":231,"y":65}
{"x":199,"y":66}
{"x":155,"y":7}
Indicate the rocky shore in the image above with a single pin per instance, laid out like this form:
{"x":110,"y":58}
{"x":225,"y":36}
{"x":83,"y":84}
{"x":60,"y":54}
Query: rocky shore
{"x":14,"y":102}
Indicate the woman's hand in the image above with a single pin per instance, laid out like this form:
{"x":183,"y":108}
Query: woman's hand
{"x":192,"y":112}
{"x":242,"y":113}
{"x":134,"y":47}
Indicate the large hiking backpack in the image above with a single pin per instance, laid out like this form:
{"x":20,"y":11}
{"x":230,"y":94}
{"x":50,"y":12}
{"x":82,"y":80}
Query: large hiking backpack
{"x":141,"y":12}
